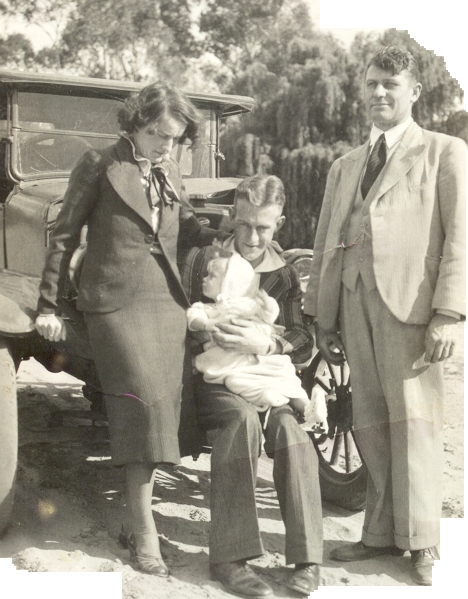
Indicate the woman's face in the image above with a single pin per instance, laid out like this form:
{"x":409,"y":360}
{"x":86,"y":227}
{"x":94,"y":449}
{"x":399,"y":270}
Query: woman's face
{"x":155,"y":140}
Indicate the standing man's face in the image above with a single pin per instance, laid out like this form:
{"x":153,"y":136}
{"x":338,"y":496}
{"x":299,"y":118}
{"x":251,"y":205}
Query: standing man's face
{"x":254,"y":228}
{"x":389,"y":98}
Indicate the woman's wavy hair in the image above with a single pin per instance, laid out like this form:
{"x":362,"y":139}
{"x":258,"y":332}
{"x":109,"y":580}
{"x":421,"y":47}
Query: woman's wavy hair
{"x":155,"y":100}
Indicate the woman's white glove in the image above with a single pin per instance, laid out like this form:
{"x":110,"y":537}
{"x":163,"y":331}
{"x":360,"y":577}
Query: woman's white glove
{"x":51,"y":327}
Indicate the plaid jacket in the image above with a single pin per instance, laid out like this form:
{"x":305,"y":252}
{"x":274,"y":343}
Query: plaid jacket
{"x":281,"y":284}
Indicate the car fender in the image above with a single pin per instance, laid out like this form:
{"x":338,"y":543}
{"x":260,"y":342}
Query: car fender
{"x":19,"y":294}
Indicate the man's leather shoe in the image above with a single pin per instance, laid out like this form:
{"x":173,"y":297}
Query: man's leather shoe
{"x":239,"y":579}
{"x":421,"y":565}
{"x":305,"y":579}
{"x":358,"y":551}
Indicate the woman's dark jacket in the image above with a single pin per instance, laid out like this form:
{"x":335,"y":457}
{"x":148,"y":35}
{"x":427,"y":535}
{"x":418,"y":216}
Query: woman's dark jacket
{"x":105,"y":192}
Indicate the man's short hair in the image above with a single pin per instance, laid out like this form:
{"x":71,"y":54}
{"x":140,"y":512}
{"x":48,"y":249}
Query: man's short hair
{"x":395,"y":60}
{"x":261,"y":190}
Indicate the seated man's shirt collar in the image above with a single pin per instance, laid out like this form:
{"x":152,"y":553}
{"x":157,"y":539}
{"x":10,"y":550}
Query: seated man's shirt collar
{"x":272,"y":259}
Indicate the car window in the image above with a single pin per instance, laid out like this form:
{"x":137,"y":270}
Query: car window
{"x":53,"y":131}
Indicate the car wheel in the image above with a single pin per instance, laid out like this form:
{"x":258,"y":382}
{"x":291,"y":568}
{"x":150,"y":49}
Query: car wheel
{"x":8,"y":433}
{"x":343,"y":474}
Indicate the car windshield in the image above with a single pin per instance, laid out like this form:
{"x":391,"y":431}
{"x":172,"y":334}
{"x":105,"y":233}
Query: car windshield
{"x":53,"y":131}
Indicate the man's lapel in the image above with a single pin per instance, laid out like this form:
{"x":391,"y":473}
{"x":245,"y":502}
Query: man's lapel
{"x":353,"y":165}
{"x":124,"y":176}
{"x":408,"y":152}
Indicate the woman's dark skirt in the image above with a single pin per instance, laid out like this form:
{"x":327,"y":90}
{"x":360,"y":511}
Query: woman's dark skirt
{"x":139,"y":356}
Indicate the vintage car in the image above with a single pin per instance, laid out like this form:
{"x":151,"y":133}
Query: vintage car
{"x":46,"y":123}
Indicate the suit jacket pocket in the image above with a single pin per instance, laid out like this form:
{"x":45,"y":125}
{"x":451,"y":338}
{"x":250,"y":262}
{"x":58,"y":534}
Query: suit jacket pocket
{"x":105,"y":295}
{"x":95,"y":272}
{"x":107,"y":276}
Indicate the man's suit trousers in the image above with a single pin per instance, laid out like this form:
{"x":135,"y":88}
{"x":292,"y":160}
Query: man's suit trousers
{"x":398,"y":421}
{"x":235,"y":433}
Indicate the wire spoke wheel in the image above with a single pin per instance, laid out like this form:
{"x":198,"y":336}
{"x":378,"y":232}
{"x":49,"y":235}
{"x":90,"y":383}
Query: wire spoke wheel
{"x":343,"y":475}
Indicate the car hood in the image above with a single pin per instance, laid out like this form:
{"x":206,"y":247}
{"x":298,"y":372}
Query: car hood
{"x":54,"y":189}
{"x":47,"y":189}
{"x":204,"y":188}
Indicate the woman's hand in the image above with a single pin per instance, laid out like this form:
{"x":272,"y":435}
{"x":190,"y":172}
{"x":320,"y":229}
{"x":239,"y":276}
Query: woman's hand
{"x":51,"y":327}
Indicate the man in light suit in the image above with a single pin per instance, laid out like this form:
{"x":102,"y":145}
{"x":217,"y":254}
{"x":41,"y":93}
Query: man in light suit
{"x":387,"y":287}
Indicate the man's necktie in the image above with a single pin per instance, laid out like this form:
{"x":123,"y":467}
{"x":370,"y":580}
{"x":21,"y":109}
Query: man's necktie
{"x":375,"y":164}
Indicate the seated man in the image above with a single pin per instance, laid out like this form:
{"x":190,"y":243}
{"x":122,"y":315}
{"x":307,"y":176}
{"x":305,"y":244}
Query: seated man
{"x":234,"y":427}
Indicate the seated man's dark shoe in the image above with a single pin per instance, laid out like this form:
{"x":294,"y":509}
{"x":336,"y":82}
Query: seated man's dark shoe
{"x":356,"y":552}
{"x":239,"y":579}
{"x":422,"y":561}
{"x":305,"y":578}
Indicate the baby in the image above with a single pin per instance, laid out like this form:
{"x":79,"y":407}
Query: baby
{"x":264,"y":381}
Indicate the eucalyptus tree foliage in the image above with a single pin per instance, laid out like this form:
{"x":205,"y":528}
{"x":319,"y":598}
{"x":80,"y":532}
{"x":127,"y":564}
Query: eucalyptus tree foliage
{"x":16,"y":51}
{"x":120,"y":39}
{"x":49,"y":15}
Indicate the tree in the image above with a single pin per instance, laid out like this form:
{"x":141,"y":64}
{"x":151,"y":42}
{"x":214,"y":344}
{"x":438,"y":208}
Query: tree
{"x":129,"y":39}
{"x":123,"y":39}
{"x":236,"y":29}
{"x":50,"y":15}
{"x":16,"y":51}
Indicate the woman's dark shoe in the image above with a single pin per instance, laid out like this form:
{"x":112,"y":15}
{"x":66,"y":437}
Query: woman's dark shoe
{"x":149,"y":564}
{"x":239,"y":579}
{"x":305,"y":578}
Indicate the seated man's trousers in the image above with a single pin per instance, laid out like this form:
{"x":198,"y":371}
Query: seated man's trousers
{"x":235,"y":433}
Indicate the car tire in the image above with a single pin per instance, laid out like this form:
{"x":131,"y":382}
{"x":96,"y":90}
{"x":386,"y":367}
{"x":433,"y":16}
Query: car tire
{"x":8,"y":433}
{"x":342,"y":473}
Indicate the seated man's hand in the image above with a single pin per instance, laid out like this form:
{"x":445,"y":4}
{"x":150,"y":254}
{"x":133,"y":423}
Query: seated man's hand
{"x":440,"y":338}
{"x":330,"y":345}
{"x":242,"y":336}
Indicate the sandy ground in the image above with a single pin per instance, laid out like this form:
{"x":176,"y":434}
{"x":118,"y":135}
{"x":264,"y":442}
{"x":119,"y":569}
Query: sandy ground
{"x":70,"y":503}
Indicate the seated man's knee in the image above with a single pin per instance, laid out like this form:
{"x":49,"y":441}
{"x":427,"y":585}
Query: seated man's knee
{"x":236,"y":434}
{"x":283,"y":429}
{"x":247,"y":418}
{"x":236,"y":414}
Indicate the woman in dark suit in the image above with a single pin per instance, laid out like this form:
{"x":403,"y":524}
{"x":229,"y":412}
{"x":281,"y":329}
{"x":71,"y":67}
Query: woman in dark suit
{"x":132,"y":198}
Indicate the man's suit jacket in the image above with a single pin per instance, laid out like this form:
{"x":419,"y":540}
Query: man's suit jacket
{"x":417,"y":216}
{"x":105,"y":192}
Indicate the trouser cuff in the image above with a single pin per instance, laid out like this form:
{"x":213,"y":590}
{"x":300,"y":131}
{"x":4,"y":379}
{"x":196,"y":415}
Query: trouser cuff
{"x":233,"y":553}
{"x":372,"y":540}
{"x":416,"y":543}
{"x":304,"y":555}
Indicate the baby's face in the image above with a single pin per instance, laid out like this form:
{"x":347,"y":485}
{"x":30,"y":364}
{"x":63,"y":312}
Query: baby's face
{"x":212,"y":282}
